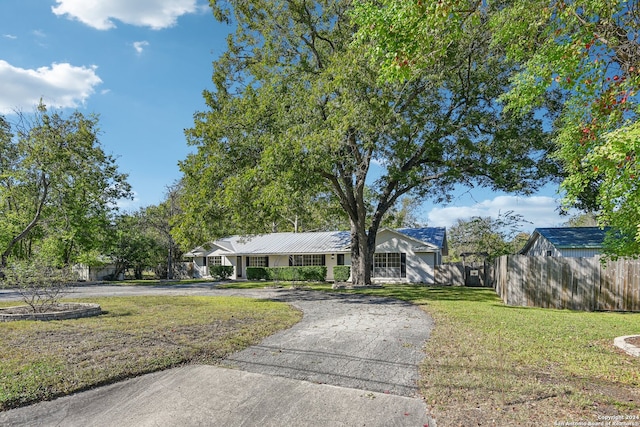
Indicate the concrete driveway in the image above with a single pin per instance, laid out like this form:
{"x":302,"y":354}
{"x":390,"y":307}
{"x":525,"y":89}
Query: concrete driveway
{"x":351,"y":361}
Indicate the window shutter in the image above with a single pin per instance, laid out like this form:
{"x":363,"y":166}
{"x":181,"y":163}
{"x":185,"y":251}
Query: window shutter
{"x":204,"y":261}
{"x":290,"y":260}
{"x":403,"y":265}
{"x":324,"y":260}
{"x":266,"y":261}
{"x":247,"y":260}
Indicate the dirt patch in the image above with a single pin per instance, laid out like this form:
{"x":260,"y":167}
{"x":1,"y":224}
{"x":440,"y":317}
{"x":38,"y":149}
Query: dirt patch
{"x":634,"y":341}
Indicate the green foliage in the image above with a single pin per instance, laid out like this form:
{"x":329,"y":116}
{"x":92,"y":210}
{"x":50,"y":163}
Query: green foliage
{"x":299,"y":112}
{"x":579,"y":60}
{"x":487,"y":238}
{"x":131,"y":246}
{"x":314,"y":273}
{"x":257,"y":273}
{"x":58,"y":188}
{"x":221,"y":272}
{"x":288,"y":274}
{"x":341,"y":273}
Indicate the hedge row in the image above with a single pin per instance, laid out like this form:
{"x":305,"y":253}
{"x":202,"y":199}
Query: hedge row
{"x":221,"y":272}
{"x":288,"y":274}
{"x":341,"y":273}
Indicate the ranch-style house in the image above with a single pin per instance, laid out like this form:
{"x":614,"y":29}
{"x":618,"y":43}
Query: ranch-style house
{"x":407,"y":255}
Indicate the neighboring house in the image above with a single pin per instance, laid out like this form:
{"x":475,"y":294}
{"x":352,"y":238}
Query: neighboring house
{"x":404,"y":255}
{"x":565,"y":242}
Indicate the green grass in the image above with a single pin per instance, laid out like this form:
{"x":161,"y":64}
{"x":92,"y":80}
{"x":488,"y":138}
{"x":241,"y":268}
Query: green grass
{"x":135,"y":335}
{"x":490,"y":364}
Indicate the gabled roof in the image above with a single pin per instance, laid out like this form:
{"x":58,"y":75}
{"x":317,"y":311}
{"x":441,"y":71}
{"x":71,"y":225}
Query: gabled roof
{"x":435,"y":236}
{"x":307,"y":243}
{"x":569,"y":237}
{"x":290,"y":243}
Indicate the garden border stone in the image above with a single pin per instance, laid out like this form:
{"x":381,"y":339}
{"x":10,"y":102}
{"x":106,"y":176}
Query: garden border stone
{"x":75,"y":310}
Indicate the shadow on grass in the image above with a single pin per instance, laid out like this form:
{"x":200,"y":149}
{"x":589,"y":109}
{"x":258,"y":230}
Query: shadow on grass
{"x":434,"y":293}
{"x":403,"y":292}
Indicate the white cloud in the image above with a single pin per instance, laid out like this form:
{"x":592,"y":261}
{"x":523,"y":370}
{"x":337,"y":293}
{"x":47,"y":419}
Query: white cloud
{"x":9,"y":36}
{"x":542,"y":211}
{"x":129,"y":205}
{"x":61,"y":85}
{"x":139,"y":46}
{"x":99,"y":14}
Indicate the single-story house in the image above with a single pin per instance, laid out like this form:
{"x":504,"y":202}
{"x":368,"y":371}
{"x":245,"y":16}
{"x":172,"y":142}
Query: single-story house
{"x":565,"y":242}
{"x":404,"y":255}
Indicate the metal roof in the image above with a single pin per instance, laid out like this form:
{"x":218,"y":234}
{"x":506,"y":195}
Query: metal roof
{"x":309,"y":243}
{"x":435,"y":236}
{"x":570,"y":237}
{"x":290,"y":243}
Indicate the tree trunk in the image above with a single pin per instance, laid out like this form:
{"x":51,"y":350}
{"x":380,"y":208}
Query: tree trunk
{"x":361,"y":256}
{"x":34,"y":221}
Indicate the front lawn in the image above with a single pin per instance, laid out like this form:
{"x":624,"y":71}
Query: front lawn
{"x":490,"y":364}
{"x":135,"y":335}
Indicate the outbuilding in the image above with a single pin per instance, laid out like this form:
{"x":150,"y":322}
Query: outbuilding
{"x":565,"y":242}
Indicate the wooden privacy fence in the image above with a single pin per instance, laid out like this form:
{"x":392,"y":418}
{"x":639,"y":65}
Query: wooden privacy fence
{"x":568,"y":283}
{"x":459,"y":274}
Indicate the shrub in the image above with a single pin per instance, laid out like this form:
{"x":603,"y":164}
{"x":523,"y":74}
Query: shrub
{"x":316,"y":273}
{"x":257,"y":273}
{"x":341,"y":273}
{"x":221,"y":272}
{"x":41,"y":286}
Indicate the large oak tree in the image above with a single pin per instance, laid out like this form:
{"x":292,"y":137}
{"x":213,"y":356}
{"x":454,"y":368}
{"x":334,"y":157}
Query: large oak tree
{"x":298,"y":111}
{"x":587,"y":50}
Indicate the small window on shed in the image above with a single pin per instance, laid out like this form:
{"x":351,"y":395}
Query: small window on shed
{"x":548,"y":253}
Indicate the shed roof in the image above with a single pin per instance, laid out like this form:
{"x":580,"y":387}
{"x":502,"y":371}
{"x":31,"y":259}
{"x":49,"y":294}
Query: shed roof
{"x":569,"y":237}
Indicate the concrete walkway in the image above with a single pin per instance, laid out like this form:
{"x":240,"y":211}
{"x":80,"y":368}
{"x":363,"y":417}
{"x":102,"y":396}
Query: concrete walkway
{"x":351,"y":361}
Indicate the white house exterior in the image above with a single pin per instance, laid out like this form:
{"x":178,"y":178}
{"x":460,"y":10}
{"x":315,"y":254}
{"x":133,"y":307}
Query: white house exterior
{"x":403,"y":256}
{"x":565,"y":242}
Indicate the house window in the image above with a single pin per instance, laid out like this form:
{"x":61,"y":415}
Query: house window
{"x":215,"y":260}
{"x":549,"y":253}
{"x":257,"y":261}
{"x":307,"y":260}
{"x":389,"y":265}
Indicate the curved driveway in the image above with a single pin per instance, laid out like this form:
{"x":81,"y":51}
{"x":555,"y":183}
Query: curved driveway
{"x":351,"y":360}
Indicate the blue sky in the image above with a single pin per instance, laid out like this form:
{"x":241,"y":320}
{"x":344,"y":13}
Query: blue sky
{"x":142,"y":65}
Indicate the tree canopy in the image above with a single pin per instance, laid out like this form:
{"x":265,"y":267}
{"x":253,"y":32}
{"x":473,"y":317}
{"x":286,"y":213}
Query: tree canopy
{"x":299,"y":111}
{"x":486,"y":238}
{"x":584,"y":54}
{"x":58,"y":188}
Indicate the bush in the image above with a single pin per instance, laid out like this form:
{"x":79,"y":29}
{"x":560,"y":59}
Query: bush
{"x":221,"y":272}
{"x":41,"y":286}
{"x":257,"y":273}
{"x":316,"y":273}
{"x":341,"y":273}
